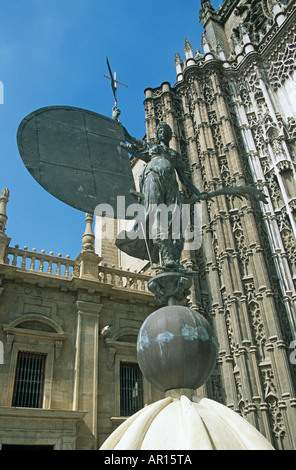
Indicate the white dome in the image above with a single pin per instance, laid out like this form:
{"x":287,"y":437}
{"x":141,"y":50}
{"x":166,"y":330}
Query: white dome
{"x":182,"y":424}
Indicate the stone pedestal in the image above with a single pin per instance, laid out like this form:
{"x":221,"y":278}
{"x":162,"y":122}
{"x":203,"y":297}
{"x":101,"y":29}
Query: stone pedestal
{"x":170,"y":287}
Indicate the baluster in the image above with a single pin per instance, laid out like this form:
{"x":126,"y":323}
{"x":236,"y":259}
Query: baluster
{"x":112,"y":275}
{"x":49,"y":269}
{"x":105,"y":273}
{"x":33,"y":259}
{"x":15,"y":255}
{"x":135,"y":281}
{"x":120,"y":279}
{"x":58,"y":272}
{"x":24,"y":257}
{"x":67,"y":267}
{"x":128,"y":280}
{"x":41,"y":265}
{"x":143,"y":285}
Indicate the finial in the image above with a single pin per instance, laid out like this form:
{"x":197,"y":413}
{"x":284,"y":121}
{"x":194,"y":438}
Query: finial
{"x":206,"y":4}
{"x":207,"y":10}
{"x":88,"y":237}
{"x":178,"y":60}
{"x":3,"y":202}
{"x":114,"y":82}
{"x":179,"y":66}
{"x":188,"y":49}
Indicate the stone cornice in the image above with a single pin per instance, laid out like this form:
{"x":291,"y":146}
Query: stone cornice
{"x":41,"y":413}
{"x":75,"y":284}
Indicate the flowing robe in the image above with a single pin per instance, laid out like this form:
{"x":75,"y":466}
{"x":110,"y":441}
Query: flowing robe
{"x":159,"y":185}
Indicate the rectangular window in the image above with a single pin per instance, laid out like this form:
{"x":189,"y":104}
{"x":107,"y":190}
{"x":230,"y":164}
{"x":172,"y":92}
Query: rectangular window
{"x":29,"y":380}
{"x":131,"y":388}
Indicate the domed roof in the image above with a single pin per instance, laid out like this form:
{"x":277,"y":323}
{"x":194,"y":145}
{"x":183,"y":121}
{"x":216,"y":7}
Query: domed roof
{"x":179,"y":423}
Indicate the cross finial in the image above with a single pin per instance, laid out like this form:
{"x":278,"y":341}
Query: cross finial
{"x":114,"y":82}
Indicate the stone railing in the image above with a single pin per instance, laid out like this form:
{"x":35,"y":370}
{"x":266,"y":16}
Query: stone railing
{"x":118,"y":277}
{"x":87,"y":265}
{"x":67,"y":268}
{"x":40,"y":262}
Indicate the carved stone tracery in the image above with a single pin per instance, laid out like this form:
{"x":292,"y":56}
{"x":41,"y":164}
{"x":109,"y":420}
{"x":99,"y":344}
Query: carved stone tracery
{"x":231,"y":130}
{"x":283,"y":67}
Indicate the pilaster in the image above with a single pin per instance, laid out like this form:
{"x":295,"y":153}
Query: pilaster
{"x":85,"y":396}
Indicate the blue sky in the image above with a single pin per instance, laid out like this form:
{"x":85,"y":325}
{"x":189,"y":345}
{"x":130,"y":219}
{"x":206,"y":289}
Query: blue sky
{"x":54,"y":53}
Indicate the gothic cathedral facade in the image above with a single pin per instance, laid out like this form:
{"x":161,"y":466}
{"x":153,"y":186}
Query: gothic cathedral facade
{"x":233,"y":116}
{"x":73,"y":324}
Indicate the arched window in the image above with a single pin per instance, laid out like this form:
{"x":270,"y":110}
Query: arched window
{"x":33,"y":344}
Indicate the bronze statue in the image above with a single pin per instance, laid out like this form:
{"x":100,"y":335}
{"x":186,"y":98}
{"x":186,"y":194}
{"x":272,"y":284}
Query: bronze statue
{"x":158,"y":186}
{"x":82,"y":159}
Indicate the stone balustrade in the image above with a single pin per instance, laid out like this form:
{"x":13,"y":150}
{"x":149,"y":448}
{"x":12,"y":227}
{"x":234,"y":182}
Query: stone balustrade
{"x":87,"y":265}
{"x":123,"y":278}
{"x":67,"y":268}
{"x":40,"y":262}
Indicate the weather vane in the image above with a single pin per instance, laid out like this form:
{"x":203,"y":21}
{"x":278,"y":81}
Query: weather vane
{"x":114,"y":82}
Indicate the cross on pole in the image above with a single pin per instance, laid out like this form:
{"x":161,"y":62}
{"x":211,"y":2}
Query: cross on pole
{"x":114,"y":82}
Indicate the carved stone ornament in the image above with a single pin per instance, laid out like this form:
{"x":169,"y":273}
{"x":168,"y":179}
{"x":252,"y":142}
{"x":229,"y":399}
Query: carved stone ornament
{"x":170,"y":287}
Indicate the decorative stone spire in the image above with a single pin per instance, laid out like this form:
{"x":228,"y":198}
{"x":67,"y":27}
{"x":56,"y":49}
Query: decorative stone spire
{"x":206,"y":11}
{"x":206,"y":47}
{"x":188,"y":49}
{"x":88,"y":260}
{"x":206,"y":6}
{"x":88,"y":237}
{"x":178,"y":61}
{"x":3,"y":202}
{"x":179,"y":66}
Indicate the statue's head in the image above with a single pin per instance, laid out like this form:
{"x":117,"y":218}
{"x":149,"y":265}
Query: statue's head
{"x":164,"y":132}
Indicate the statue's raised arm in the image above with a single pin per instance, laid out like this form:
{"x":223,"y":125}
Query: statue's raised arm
{"x":136,"y":147}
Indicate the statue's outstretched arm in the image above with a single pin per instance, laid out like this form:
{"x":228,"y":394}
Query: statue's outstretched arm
{"x":136,"y":147}
{"x":187,"y":181}
{"x":237,"y":191}
{"x":132,"y":140}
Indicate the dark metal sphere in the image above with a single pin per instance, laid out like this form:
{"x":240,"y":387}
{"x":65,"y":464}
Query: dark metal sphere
{"x":176,"y":348}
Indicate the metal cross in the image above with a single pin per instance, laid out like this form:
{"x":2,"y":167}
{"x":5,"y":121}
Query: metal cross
{"x":114,"y":82}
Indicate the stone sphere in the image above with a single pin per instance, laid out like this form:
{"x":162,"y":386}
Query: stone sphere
{"x":176,"y":348}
